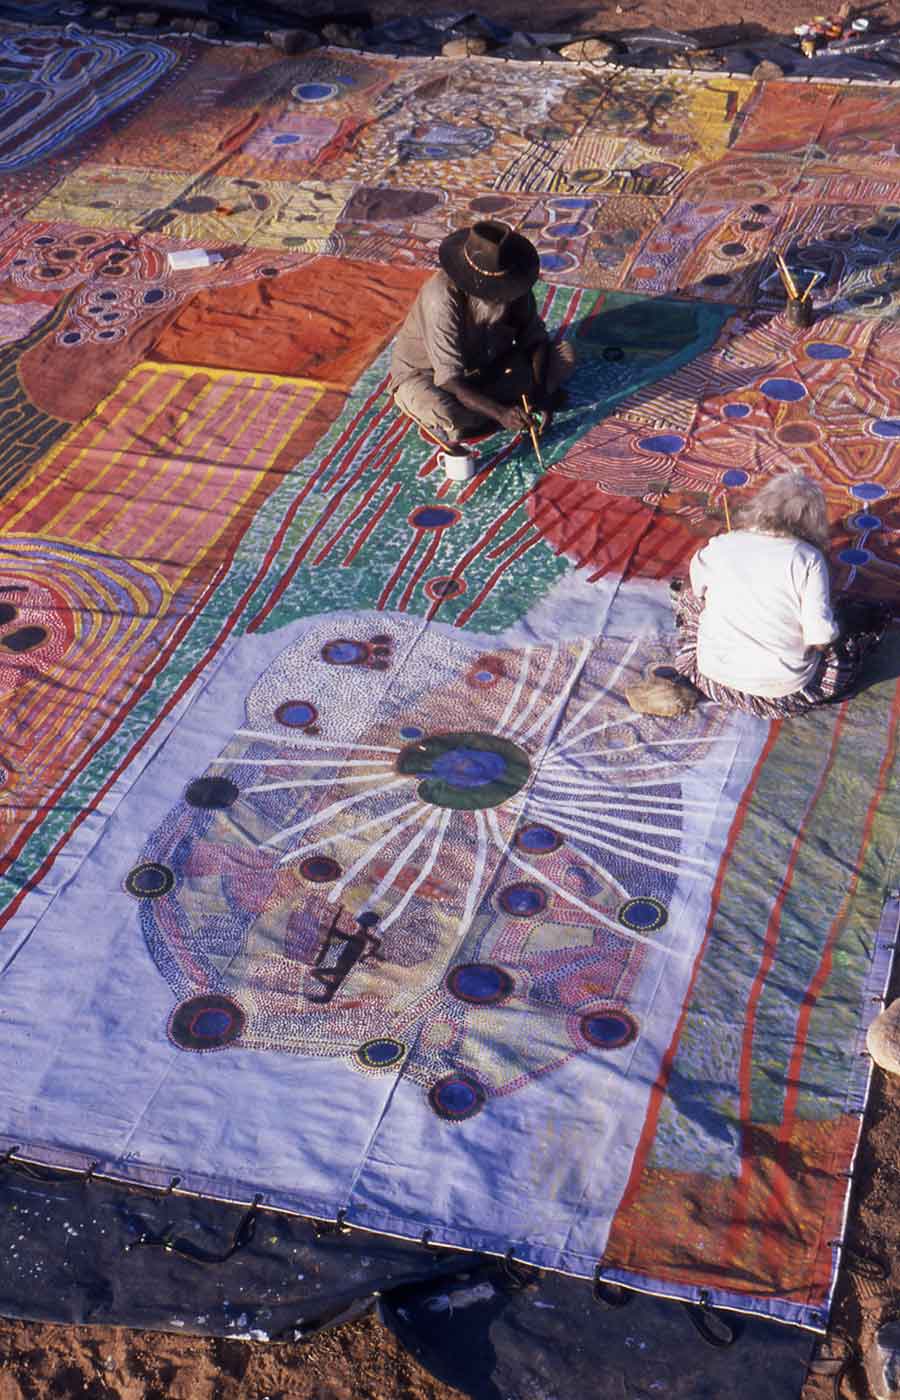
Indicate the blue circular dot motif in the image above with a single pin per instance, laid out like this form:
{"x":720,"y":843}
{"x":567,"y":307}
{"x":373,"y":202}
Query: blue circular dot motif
{"x":886,"y":427}
{"x":783,"y":390}
{"x":864,"y":521}
{"x":456,"y":1097}
{"x":150,"y":880}
{"x":380,"y":1054}
{"x":469,"y":768}
{"x":669,"y":443}
{"x":567,"y":230}
{"x":608,"y":1030}
{"x":735,"y":477}
{"x":538,"y":840}
{"x":736,"y":410}
{"x":555,"y":262}
{"x":344,"y":652}
{"x":411,"y":731}
{"x":868,"y":491}
{"x":286,"y":138}
{"x":211,"y":1024}
{"x":523,"y":901}
{"x":433,"y":517}
{"x":314,"y":92}
{"x":296,"y":714}
{"x":155,"y":294}
{"x":480,"y":984}
{"x":854,"y":556}
{"x":643,"y":914}
{"x":823,"y":350}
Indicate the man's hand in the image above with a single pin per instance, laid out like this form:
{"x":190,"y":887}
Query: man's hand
{"x":513,"y":418}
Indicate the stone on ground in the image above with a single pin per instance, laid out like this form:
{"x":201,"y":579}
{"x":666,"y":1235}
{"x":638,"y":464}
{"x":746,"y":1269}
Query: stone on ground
{"x":883,"y":1040}
{"x":658,"y":696}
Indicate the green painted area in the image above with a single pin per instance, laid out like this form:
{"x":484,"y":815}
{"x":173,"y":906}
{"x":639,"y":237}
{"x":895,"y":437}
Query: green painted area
{"x":466,"y":771}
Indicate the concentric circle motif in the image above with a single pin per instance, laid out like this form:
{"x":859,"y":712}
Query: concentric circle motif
{"x":608,"y":1029}
{"x":411,"y":731}
{"x":433,"y":517}
{"x":868,"y":491}
{"x":150,"y":880}
{"x":465,"y":771}
{"x":211,"y":793}
{"x":344,"y":651}
{"x":797,"y":434}
{"x":783,"y":390}
{"x":479,"y":984}
{"x":379,"y":1054}
{"x":865,"y":521}
{"x":558,"y":262}
{"x":854,"y":556}
{"x":206,"y":1023}
{"x":297,"y":714}
{"x":885,"y":428}
{"x":523,"y":900}
{"x":644,"y":915}
{"x":441,"y":589}
{"x":457,"y":1097}
{"x":320,"y":870}
{"x":735,"y":477}
{"x":537,"y":839}
{"x":736,"y":410}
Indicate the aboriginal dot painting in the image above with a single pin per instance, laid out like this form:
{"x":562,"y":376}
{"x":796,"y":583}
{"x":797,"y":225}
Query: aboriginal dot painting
{"x":335,"y":866}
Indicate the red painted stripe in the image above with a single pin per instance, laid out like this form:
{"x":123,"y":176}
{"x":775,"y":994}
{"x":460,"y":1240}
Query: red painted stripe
{"x":770,"y":944}
{"x":823,"y":970}
{"x":365,"y":533}
{"x":419,"y":570}
{"x":365,"y":438}
{"x":404,"y":560}
{"x":460,"y":567}
{"x":357,"y":510}
{"x":657,"y":1093}
{"x":510,"y":540}
{"x":372,"y":459}
{"x":492,"y":581}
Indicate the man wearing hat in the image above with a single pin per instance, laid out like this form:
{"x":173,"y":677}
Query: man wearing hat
{"x":473,"y":342}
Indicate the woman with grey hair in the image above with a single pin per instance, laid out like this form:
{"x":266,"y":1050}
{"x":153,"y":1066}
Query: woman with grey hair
{"x":757,"y":630}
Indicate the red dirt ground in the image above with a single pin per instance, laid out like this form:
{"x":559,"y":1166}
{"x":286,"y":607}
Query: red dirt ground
{"x":362,"y":1361}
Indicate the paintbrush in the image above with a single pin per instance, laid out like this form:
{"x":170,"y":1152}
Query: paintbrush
{"x":532,"y":430}
{"x":813,"y":281}
{"x":790,"y":285}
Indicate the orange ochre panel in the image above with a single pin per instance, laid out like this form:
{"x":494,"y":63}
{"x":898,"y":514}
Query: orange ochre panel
{"x":327,"y":320}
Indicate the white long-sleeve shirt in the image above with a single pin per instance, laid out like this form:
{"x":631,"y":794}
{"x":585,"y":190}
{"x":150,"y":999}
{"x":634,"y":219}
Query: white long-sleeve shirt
{"x":766,"y":605}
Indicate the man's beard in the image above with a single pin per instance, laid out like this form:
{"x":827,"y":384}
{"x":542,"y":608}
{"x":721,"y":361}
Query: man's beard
{"x":485,"y":313}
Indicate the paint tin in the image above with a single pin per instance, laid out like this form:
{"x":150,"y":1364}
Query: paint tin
{"x":799,"y":312}
{"x":458,"y":466}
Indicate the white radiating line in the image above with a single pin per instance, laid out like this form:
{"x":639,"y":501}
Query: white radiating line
{"x":608,"y":876}
{"x":371,"y":852}
{"x":576,"y":810}
{"x":595,"y":914}
{"x":298,"y":743}
{"x":600,"y":757}
{"x":641,"y":847}
{"x":604,"y":691}
{"x":473,"y":893}
{"x":549,"y":718}
{"x":331,"y":811}
{"x":598,"y":844}
{"x":609,"y":769}
{"x":422,"y":875}
{"x":347,"y":834}
{"x":625,"y":802}
{"x":409,"y":850}
{"x":536,"y":694}
{"x":303,"y":783}
{"x":308,"y":763}
{"x":519,"y":686}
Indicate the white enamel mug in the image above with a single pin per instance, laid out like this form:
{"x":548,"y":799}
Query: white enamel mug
{"x":458,"y":466}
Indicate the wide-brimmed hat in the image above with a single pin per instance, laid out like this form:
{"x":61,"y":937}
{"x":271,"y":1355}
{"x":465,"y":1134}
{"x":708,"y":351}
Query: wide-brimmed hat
{"x":490,"y":260}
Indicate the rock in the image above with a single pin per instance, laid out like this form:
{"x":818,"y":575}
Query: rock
{"x":883,"y":1040}
{"x":883,"y":1359}
{"x":767,"y":71}
{"x":292,"y":40}
{"x":464,"y":48}
{"x":588,"y":50}
{"x":681,"y":60}
{"x":344,"y":36}
{"x":658,"y":696}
